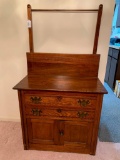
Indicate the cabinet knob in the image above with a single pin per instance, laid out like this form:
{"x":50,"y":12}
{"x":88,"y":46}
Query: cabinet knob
{"x":82,"y":114}
{"x":83,"y":102}
{"x":61,"y":132}
{"x":59,"y":98}
{"x":35,"y":99}
{"x":59,"y":110}
{"x":36,"y":112}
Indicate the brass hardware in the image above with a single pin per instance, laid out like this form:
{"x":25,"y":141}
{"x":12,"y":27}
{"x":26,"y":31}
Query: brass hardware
{"x":59,"y":110}
{"x":82,"y":114}
{"x":36,"y":112}
{"x":35,"y":99}
{"x":83,"y":102}
{"x":61,"y":132}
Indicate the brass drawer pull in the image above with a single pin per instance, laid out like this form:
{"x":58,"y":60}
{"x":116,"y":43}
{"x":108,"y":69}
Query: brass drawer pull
{"x":36,"y":112}
{"x":35,"y":99}
{"x":83,"y":102}
{"x":82,"y":114}
{"x":59,"y":110}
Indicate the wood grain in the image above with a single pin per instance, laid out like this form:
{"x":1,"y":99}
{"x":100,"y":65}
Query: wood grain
{"x":61,"y":84}
{"x":82,"y":65}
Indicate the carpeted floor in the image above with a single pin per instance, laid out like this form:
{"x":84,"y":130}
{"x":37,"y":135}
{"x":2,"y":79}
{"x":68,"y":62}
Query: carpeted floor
{"x":109,"y":130}
{"x":11,"y":148}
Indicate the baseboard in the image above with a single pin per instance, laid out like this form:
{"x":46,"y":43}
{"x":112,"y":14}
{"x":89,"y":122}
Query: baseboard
{"x":10,"y":119}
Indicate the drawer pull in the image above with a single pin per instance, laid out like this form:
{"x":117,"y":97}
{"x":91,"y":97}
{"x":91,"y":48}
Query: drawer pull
{"x":61,"y":132}
{"x":36,"y":112}
{"x":83,"y":102}
{"x":59,"y":110}
{"x":35,"y":99}
{"x":82,"y":114}
{"x":59,"y":98}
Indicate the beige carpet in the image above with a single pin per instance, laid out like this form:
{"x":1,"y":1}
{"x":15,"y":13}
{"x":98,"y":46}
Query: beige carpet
{"x":11,"y":148}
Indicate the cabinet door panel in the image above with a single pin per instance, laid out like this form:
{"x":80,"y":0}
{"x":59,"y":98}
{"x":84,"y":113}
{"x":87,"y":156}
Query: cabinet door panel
{"x":40,"y":131}
{"x":78,"y":133}
{"x":60,"y":134}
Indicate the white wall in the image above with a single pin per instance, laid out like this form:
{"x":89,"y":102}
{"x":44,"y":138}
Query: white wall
{"x":14,"y":44}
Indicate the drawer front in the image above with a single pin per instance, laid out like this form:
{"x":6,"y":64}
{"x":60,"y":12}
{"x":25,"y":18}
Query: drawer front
{"x":81,"y":101}
{"x":58,"y":112}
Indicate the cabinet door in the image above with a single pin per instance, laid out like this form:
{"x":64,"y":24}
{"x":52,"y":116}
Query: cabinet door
{"x":60,"y":135}
{"x":108,"y":69}
{"x":112,"y":73}
{"x":78,"y":134}
{"x":40,"y":131}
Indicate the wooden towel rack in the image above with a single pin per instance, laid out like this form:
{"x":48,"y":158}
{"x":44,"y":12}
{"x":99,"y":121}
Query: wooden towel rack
{"x":98,"y":23}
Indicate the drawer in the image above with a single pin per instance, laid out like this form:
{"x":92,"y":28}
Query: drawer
{"x":58,"y":112}
{"x":81,"y":101}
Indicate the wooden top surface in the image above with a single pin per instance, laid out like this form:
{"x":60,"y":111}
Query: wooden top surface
{"x":61,"y":83}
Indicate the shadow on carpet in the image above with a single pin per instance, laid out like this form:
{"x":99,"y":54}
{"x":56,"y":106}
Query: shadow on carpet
{"x":109,"y":130}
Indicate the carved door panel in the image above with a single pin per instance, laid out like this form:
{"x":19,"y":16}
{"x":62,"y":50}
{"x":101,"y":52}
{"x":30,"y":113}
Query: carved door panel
{"x":78,"y":133}
{"x":60,"y":132}
{"x":40,"y":131}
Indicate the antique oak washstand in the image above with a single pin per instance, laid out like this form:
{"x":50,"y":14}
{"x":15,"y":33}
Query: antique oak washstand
{"x":60,"y":99}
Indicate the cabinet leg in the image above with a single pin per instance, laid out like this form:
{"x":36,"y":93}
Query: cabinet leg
{"x":93,"y":154}
{"x":25,"y":147}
